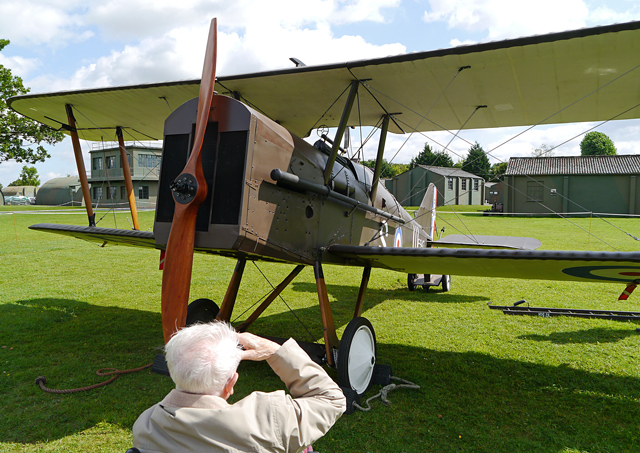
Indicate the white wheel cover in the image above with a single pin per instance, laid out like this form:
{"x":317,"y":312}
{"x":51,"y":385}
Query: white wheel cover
{"x":362,"y":359}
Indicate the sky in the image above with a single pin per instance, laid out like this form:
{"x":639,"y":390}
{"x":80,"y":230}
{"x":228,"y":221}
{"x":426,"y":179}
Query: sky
{"x":73,"y":44}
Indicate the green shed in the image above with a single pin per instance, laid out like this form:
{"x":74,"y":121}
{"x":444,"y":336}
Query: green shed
{"x":573,"y":184}
{"x":455,"y":187}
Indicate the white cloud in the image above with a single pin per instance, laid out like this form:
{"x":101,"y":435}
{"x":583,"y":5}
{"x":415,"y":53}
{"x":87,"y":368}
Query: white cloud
{"x":42,"y":22}
{"x":179,"y":53}
{"x":19,"y":65}
{"x":606,"y":15}
{"x":502,"y":19}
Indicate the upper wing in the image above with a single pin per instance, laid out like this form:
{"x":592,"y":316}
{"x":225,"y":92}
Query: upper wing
{"x":608,"y":267}
{"x":521,"y":82}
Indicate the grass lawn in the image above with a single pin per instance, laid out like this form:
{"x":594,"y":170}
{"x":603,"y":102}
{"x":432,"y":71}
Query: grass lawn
{"x":489,"y":382}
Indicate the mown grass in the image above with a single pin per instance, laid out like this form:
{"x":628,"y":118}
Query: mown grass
{"x":489,"y":382}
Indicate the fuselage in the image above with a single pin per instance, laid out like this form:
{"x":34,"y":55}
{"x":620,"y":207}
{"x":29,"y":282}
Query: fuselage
{"x":249,"y":214}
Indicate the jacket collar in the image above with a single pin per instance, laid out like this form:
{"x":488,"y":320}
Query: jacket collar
{"x":177,"y":398}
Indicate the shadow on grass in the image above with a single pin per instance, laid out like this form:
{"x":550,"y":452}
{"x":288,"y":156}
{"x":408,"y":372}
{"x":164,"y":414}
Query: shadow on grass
{"x":476,"y":402}
{"x":467,"y":401}
{"x":349,"y":294}
{"x":588,"y":336}
{"x":67,"y":340}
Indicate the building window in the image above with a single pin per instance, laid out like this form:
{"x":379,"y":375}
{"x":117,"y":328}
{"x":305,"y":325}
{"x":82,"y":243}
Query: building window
{"x":123,"y":193}
{"x":464,"y":184}
{"x":450,"y":183}
{"x":112,"y":193}
{"x":111,"y":162}
{"x":535,"y":191}
{"x":129,"y":159}
{"x":148,"y":160}
{"x":97,"y":193}
{"x":97,"y":163}
{"x":143,"y":192}
{"x":475,"y":185}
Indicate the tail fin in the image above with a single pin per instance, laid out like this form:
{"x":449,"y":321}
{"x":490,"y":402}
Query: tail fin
{"x":426,"y":215}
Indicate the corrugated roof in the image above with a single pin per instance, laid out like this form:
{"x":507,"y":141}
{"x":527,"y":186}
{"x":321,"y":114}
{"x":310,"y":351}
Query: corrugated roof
{"x":449,"y":171}
{"x":628,"y":164}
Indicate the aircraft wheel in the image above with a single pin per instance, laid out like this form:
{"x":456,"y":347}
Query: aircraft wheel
{"x":357,"y":356}
{"x":446,"y":283}
{"x":411,"y":278}
{"x":202,"y":311}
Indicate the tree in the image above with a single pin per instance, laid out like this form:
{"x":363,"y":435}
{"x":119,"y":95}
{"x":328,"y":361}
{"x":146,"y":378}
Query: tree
{"x":28,"y":177}
{"x":543,"y":151}
{"x":498,"y":170}
{"x":17,"y":133}
{"x":388,"y":170}
{"x":597,"y":144}
{"x":477,"y":162}
{"x":432,"y":158}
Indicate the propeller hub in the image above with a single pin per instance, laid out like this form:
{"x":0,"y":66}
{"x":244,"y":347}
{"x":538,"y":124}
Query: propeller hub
{"x":184,"y":188}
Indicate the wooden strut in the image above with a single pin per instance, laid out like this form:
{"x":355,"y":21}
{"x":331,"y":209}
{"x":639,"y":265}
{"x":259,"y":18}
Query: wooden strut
{"x":366,"y":273}
{"x":127,"y":179}
{"x":82,"y":171}
{"x":229,"y":301}
{"x":328,"y":327}
{"x":275,"y":293}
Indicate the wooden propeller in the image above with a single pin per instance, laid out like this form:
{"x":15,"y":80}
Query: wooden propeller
{"x":189,"y":191}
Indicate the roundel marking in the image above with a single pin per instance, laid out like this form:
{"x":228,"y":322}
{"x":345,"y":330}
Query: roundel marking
{"x":398,"y":239}
{"x":605,"y":273}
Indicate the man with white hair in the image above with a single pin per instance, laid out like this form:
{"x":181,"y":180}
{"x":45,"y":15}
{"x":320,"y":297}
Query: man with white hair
{"x":196,"y":416}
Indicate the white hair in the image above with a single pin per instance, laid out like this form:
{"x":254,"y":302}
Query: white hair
{"x":201,"y":358}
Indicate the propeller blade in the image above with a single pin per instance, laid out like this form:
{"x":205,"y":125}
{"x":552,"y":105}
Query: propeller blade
{"x":189,"y":191}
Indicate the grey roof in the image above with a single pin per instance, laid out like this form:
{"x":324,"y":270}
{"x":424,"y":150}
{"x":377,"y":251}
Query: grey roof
{"x":57,"y":191}
{"x":449,"y":171}
{"x":628,"y":164}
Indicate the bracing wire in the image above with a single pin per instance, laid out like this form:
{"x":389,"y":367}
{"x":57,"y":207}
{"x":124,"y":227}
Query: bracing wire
{"x":423,"y":117}
{"x":285,"y":302}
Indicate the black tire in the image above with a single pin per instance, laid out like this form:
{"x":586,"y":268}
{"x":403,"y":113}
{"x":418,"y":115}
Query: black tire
{"x":359,"y":334}
{"x":202,"y":311}
{"x":410,"y":281}
{"x":446,"y":283}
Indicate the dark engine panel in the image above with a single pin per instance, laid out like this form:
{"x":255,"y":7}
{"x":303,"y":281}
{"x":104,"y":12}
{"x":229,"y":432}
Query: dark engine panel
{"x":224,"y":155}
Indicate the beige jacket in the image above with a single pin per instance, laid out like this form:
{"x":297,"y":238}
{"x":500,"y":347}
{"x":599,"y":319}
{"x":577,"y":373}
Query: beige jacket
{"x":261,"y":422}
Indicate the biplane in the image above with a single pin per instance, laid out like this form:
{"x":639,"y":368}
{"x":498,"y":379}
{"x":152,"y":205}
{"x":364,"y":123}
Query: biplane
{"x":237,"y":178}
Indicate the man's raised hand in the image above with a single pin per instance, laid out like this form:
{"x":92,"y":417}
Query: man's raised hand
{"x":256,"y":348}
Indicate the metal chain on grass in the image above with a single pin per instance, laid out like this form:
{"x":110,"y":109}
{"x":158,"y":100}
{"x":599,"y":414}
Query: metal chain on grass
{"x":42,"y":381}
{"x":382,"y":394}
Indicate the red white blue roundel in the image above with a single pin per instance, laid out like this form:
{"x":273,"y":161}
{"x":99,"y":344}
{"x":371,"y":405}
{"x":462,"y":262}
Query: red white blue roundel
{"x":398,"y":239}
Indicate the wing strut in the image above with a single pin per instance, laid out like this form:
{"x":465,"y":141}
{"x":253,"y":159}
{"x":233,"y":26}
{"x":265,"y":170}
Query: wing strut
{"x":127,"y":179}
{"x":82,"y":171}
{"x":340,"y":132}
{"x":189,"y":191}
{"x":376,"y":173}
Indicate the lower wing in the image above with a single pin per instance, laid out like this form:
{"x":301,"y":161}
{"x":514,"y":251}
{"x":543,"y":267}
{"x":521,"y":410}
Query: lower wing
{"x":607,"y":267}
{"x":102,"y":236}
